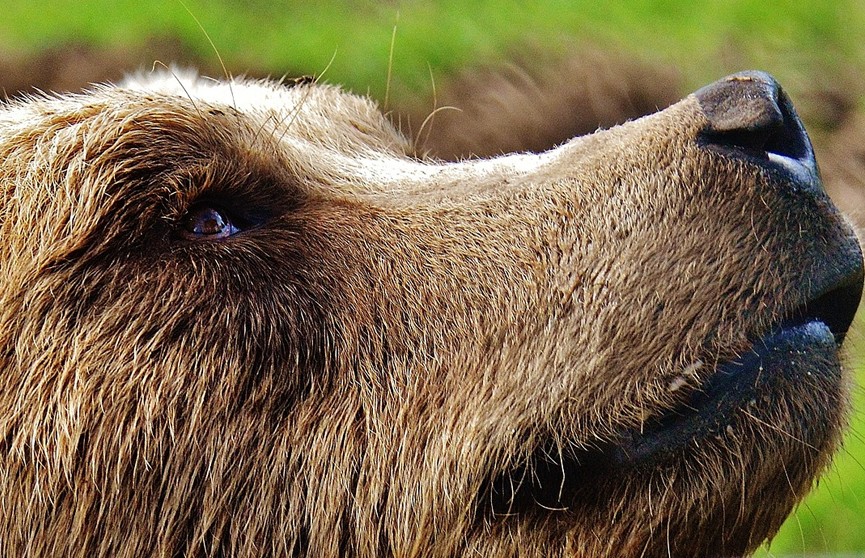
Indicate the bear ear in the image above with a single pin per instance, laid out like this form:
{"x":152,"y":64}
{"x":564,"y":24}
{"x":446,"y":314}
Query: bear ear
{"x":536,"y":101}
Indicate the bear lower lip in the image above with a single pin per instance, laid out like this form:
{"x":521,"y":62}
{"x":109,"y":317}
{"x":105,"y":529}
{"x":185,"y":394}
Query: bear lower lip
{"x":801,"y":349}
{"x":801,"y":356}
{"x":772,"y":368}
{"x":796,"y":361}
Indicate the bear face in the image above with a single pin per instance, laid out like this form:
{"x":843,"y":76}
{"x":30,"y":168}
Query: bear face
{"x":241,"y":319}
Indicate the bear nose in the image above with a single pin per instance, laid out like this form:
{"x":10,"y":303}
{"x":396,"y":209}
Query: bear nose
{"x":749,"y":116}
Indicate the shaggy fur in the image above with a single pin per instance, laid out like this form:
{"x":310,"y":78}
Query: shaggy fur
{"x":395,"y":356}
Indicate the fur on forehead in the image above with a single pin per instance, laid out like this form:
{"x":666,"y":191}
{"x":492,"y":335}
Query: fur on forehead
{"x":326,"y":115}
{"x":313,"y":113}
{"x":264,"y":97}
{"x":345,"y":134}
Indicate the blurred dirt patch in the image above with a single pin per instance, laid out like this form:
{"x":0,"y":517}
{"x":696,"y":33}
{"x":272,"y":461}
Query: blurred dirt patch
{"x":537,"y":101}
{"x":73,"y":66}
{"x":842,"y":162}
{"x":831,"y":106}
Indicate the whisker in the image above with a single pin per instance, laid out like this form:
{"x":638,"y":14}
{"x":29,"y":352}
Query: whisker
{"x":390,"y":64}
{"x":779,"y":430}
{"x":228,"y":77}
{"x":180,"y":83}
{"x":292,"y":116}
{"x":429,"y":119}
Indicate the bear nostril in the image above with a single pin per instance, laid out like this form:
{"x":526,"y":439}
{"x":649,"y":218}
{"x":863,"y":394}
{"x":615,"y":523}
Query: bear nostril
{"x":789,"y":139}
{"x":750,"y":116}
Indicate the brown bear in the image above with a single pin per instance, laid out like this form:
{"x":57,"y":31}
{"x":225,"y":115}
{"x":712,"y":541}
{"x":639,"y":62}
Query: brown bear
{"x":242,"y":319}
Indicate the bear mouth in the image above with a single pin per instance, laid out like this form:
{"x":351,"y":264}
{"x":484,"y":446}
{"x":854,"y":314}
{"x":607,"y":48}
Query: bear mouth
{"x":812,"y":333}
{"x":800,"y":352}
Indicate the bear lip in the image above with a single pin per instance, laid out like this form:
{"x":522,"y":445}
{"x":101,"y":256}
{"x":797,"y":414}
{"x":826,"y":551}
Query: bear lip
{"x":815,"y":329}
{"x":733,"y":386}
{"x":800,"y":350}
{"x":742,"y":385}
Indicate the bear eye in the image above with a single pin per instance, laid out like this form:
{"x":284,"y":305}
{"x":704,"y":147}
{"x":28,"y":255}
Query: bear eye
{"x":207,"y":222}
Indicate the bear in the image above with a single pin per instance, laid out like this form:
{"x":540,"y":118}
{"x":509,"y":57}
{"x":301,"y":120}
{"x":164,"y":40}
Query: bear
{"x":244,"y":318}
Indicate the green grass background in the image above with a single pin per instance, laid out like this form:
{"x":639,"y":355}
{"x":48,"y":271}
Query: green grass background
{"x":800,"y":42}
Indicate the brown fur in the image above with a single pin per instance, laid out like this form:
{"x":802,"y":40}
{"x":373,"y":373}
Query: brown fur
{"x":367,"y":370}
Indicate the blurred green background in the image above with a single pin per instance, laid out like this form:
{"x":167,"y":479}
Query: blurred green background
{"x":793,"y":39}
{"x":804,"y":44}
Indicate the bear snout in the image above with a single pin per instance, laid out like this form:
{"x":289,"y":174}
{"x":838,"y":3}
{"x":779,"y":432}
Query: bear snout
{"x":750,"y":116}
